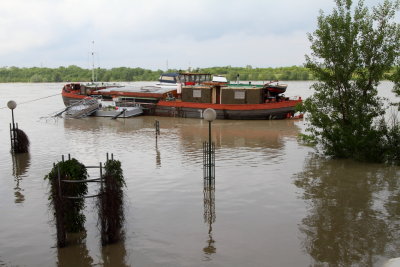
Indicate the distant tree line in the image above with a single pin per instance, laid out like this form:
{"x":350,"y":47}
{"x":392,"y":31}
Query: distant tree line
{"x":249,"y":73}
{"x":74,"y":73}
{"x":124,"y":74}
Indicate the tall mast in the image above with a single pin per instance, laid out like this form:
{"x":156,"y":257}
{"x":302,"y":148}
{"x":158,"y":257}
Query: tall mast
{"x":93,"y":61}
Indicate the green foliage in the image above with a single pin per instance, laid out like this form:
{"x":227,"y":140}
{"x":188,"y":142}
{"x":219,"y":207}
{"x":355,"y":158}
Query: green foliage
{"x":76,"y":74}
{"x":261,"y":74}
{"x":353,"y":49}
{"x":22,"y":142}
{"x":113,"y":169}
{"x":391,"y":138}
{"x":307,"y":140}
{"x":395,"y":77}
{"x":111,"y":213}
{"x":72,"y":209}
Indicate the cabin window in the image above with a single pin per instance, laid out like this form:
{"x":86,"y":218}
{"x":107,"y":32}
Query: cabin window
{"x":196,"y":93}
{"x":240,"y":94}
{"x":167,"y":78}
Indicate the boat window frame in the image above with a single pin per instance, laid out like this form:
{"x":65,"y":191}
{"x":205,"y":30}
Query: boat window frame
{"x":196,"y":93}
{"x":240,"y":95}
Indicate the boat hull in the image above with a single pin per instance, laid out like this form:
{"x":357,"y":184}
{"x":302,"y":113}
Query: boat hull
{"x":267,"y":111}
{"x":120,"y":113}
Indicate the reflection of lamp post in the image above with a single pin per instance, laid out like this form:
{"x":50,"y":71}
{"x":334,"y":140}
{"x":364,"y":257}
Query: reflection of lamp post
{"x":209,"y":215}
{"x":12,"y":105}
{"x":209,"y":115}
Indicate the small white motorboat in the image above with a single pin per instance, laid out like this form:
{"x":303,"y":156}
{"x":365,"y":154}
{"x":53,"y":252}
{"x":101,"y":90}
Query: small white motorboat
{"x":82,"y":108}
{"x":113,"y":111}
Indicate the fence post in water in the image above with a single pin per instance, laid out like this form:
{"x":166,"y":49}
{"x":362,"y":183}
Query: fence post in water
{"x":157,"y":126}
{"x":59,"y":209}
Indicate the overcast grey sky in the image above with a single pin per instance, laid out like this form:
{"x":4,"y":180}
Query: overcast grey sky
{"x":150,"y":33}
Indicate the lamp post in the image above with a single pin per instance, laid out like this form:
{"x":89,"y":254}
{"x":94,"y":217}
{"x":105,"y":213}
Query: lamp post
{"x":12,"y":105}
{"x":209,"y":115}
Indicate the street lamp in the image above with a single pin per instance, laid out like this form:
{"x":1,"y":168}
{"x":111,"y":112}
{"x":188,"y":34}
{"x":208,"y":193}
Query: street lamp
{"x":12,"y":105}
{"x":209,"y":115}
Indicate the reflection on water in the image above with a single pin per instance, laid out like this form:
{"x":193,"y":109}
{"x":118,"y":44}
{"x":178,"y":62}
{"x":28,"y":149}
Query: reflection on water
{"x":75,"y":253}
{"x":158,"y":157}
{"x":114,"y":255}
{"x":94,"y":124}
{"x":353,"y":215}
{"x":256,"y":134}
{"x":20,"y":165}
{"x":209,"y":215}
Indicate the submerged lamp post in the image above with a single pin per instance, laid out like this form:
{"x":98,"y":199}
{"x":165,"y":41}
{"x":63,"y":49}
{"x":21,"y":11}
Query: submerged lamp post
{"x":12,"y":105}
{"x":19,"y":140}
{"x":209,"y":115}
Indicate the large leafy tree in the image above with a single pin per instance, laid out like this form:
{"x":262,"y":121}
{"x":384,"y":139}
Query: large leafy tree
{"x":352,"y":50}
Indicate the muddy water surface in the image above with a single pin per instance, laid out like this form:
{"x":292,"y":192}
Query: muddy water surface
{"x":275,"y":203}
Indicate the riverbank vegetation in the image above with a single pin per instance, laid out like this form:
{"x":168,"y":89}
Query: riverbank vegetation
{"x":353,"y":49}
{"x":124,"y":74}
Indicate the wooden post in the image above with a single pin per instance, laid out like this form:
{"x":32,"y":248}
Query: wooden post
{"x":59,"y":210}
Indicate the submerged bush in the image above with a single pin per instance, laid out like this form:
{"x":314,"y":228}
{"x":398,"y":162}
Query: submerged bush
{"x":22,"y":142}
{"x":70,"y":209}
{"x":110,"y":203}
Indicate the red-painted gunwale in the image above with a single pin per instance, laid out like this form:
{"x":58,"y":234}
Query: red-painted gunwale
{"x":264,"y":106}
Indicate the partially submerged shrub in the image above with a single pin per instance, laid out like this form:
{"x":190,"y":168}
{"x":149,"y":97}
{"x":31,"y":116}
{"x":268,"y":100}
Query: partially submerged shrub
{"x":70,"y":209}
{"x":22,"y":142}
{"x":110,"y":203}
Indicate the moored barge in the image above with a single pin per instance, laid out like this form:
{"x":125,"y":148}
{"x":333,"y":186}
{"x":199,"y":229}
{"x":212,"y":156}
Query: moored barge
{"x":192,"y":95}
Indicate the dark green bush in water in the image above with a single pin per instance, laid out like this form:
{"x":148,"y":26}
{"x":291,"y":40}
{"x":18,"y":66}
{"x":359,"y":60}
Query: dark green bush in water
{"x":22,"y":144}
{"x":111,"y":213}
{"x":72,"y":209}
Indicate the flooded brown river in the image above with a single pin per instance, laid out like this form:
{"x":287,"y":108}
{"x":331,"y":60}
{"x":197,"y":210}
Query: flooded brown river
{"x":275,"y":203}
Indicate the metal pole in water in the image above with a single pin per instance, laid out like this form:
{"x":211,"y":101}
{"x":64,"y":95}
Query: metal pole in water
{"x":101,"y":177}
{"x":209,"y":115}
{"x":12,"y":118}
{"x":209,"y":152}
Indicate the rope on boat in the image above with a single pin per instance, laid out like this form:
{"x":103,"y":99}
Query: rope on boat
{"x":37,"y":99}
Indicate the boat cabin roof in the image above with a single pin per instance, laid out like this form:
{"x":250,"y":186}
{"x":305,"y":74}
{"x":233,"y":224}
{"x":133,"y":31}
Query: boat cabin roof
{"x":185,"y":77}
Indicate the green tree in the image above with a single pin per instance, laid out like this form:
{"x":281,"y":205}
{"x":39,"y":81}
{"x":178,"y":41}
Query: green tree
{"x":352,"y":48}
{"x":36,"y":78}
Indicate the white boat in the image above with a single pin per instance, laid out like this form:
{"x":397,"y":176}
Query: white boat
{"x":109,"y":109}
{"x":82,"y":108}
